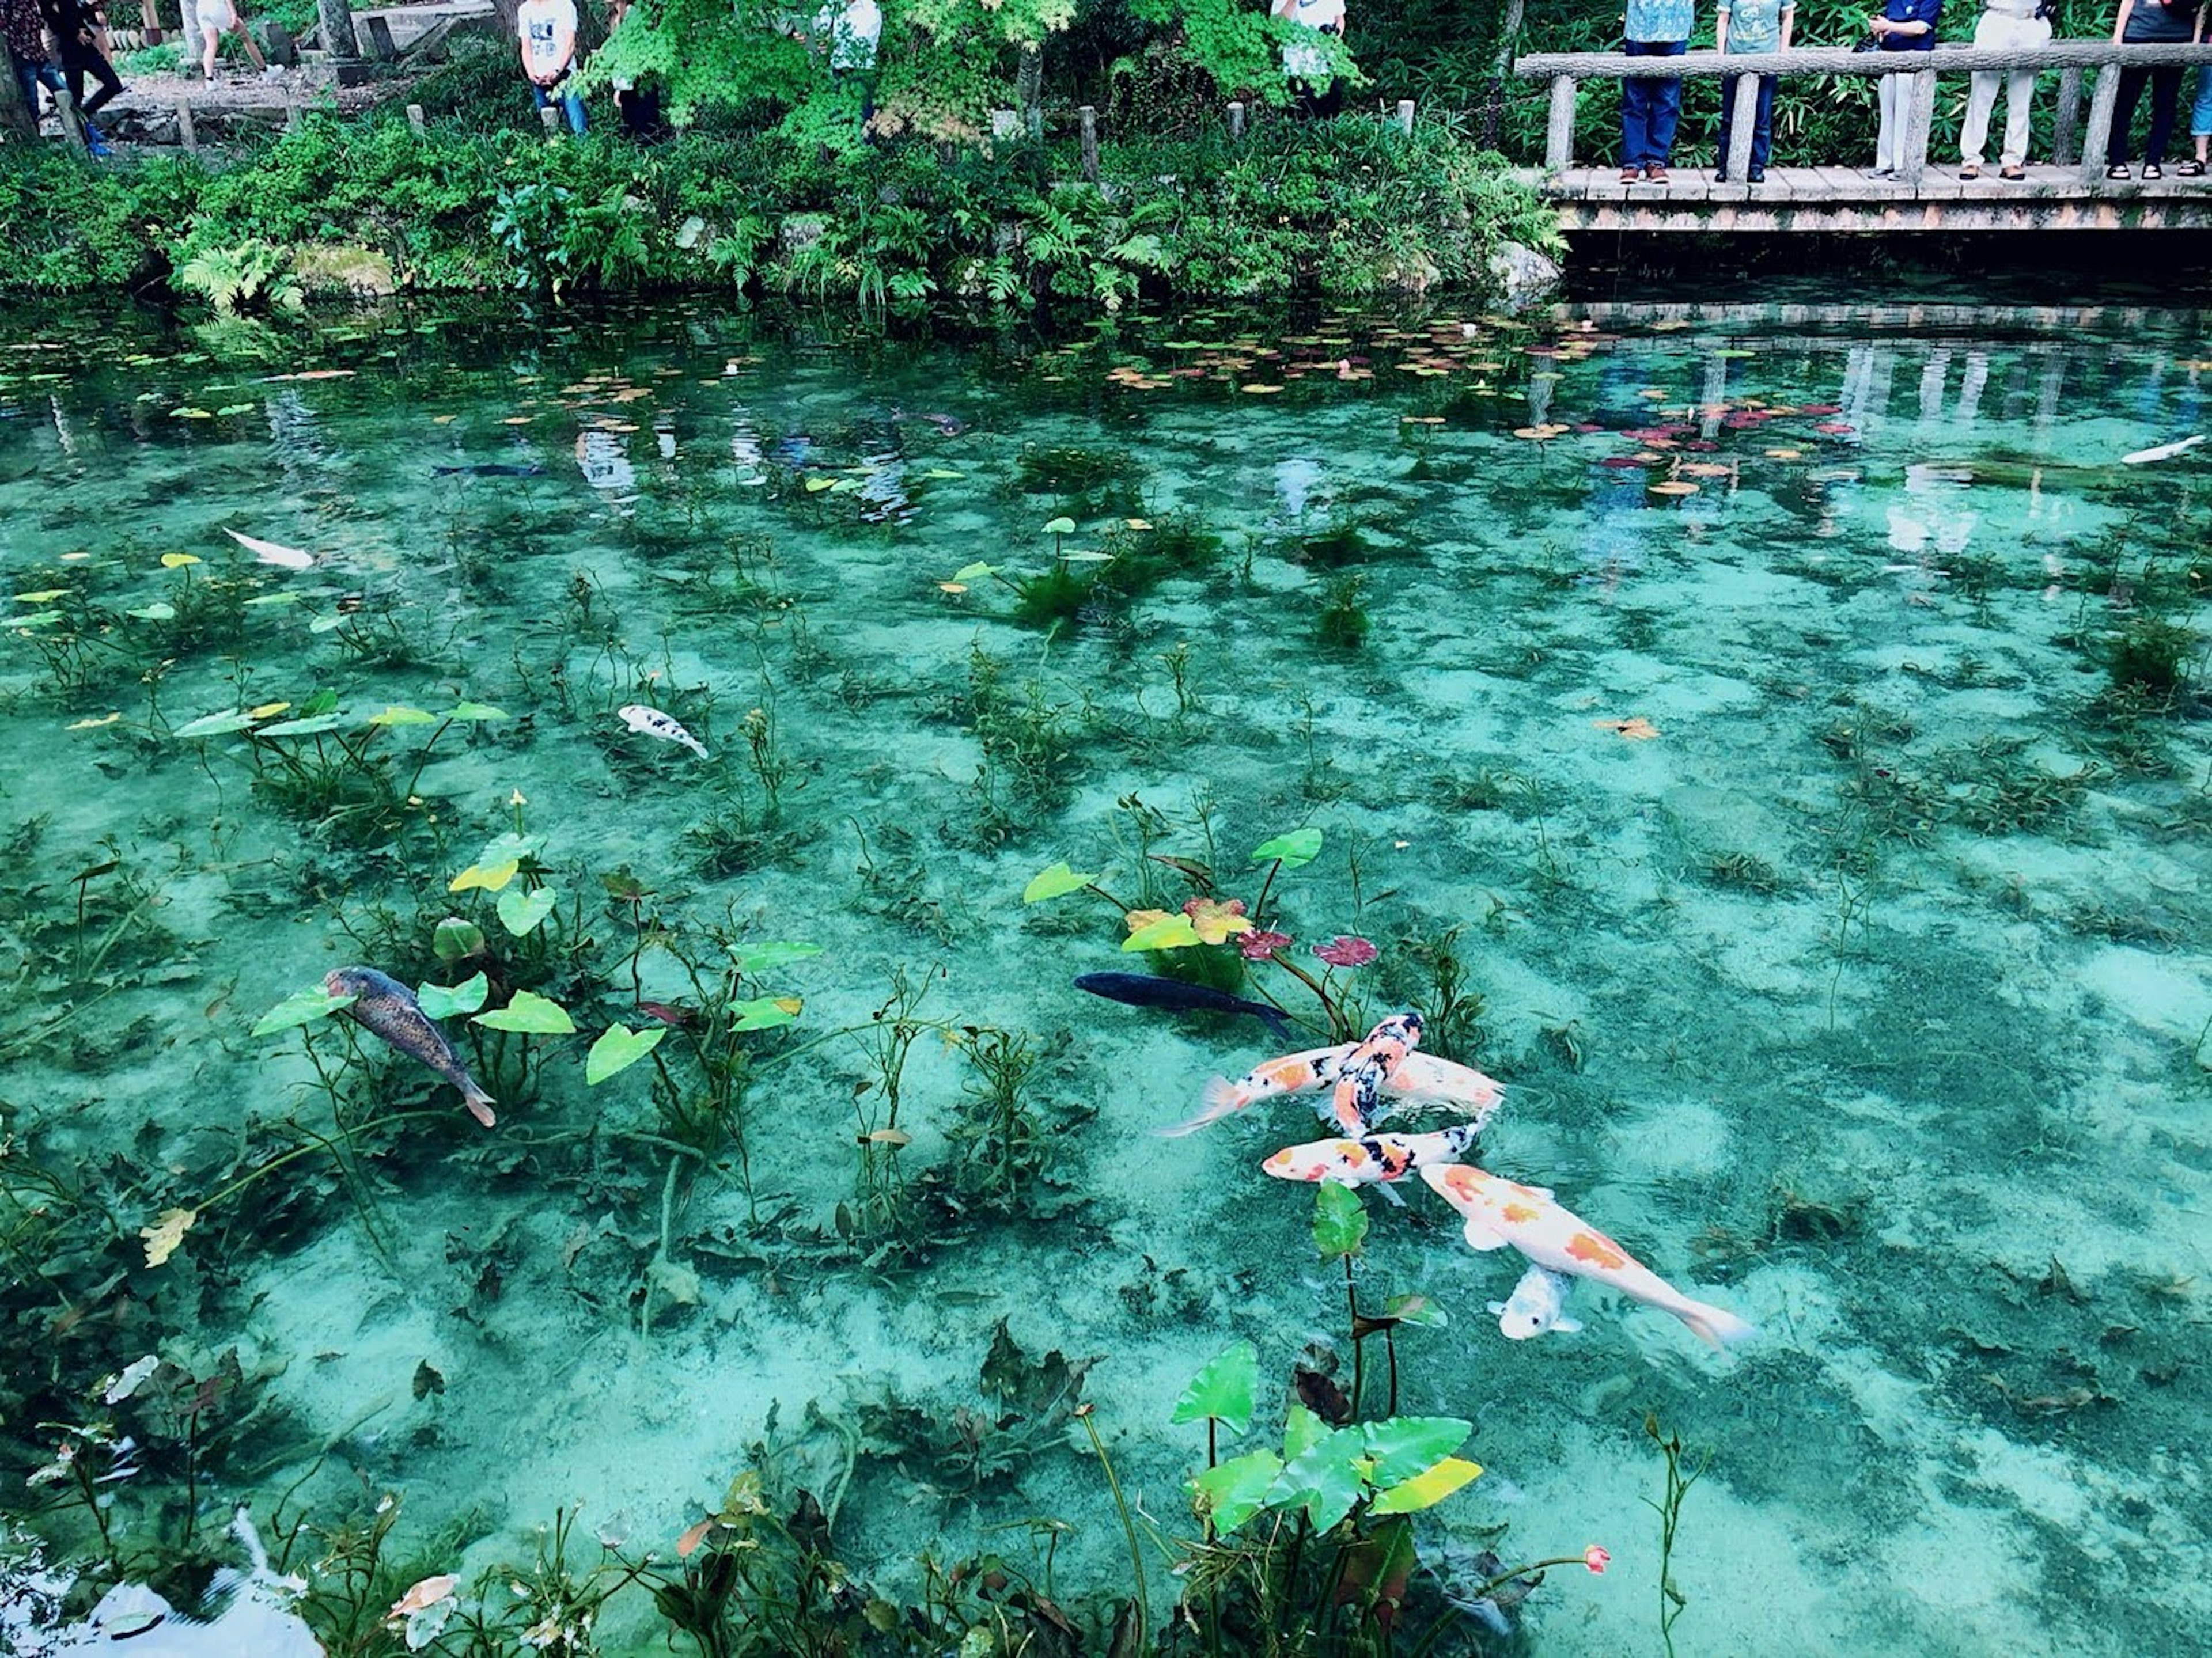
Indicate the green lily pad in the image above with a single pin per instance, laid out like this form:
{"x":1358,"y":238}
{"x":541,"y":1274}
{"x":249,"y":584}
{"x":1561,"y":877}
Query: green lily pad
{"x":313,"y":726}
{"x":44,"y":596}
{"x":520,"y":910}
{"x":1169,"y":933}
{"x":217,"y":725}
{"x":1404,"y":1445}
{"x":1294,"y":851}
{"x":1232,"y":1492}
{"x":442,"y":1002}
{"x":302,"y":1007}
{"x":1428,"y":1488}
{"x":1054,"y":882}
{"x":1060,"y":526}
{"x":159,"y":611}
{"x":400,"y":714}
{"x":1224,"y":1390}
{"x":1339,"y":1225}
{"x":457,"y":940}
{"x":36,"y":619}
{"x":763,"y":1012}
{"x":618,"y":1048}
{"x":531,"y":1014}
{"x":974,"y":572}
{"x":464,"y":711}
{"x":770,"y":954}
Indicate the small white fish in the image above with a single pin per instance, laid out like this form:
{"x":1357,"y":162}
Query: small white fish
{"x":2164,"y":452}
{"x":1538,"y":1304}
{"x":654,"y":723}
{"x":270,"y":552}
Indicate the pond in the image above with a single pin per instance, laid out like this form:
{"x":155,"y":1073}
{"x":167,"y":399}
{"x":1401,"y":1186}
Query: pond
{"x":1772,"y":743}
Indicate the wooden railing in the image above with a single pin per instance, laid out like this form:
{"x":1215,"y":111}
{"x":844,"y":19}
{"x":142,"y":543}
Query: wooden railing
{"x":1566,"y":70}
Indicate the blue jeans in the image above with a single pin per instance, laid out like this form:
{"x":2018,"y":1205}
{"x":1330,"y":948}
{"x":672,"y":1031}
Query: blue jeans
{"x":31,"y":74}
{"x":2200,"y":115}
{"x":1649,"y":108}
{"x":569,"y":100}
{"x":1762,"y":124}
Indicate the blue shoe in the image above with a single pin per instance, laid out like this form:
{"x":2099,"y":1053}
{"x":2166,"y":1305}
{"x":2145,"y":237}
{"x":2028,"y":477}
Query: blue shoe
{"x":98,"y":145}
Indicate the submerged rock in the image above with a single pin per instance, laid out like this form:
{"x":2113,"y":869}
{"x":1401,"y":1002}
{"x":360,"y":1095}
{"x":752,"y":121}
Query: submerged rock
{"x":1524,"y":277}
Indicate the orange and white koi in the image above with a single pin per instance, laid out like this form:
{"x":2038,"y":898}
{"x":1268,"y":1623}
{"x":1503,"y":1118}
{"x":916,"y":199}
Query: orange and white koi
{"x":1368,"y":1066}
{"x":1374,"y":1160}
{"x":1502,"y":1212}
{"x":1421,"y":1080}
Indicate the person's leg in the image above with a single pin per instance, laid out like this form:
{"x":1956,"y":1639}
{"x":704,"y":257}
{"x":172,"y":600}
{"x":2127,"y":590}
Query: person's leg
{"x":1885,"y":143}
{"x":213,"y":43}
{"x":2165,"y":103}
{"x":80,"y":61}
{"x":573,"y":103}
{"x":1636,"y":113}
{"x":245,"y":40}
{"x":2031,"y":33}
{"x":1974,"y":130}
{"x":1666,"y":107}
{"x":1727,"y":123}
{"x":2124,"y":114}
{"x":27,"y":80}
{"x":2200,"y":114}
{"x":1762,"y":134}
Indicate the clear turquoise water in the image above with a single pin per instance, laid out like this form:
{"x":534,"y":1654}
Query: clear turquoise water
{"x":1868,"y":995}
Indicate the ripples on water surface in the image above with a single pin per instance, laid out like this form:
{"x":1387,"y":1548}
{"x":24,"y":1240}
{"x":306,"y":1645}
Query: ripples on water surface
{"x":1792,"y":726}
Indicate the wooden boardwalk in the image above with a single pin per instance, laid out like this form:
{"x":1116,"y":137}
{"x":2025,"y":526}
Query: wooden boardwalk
{"x":1841,"y":199}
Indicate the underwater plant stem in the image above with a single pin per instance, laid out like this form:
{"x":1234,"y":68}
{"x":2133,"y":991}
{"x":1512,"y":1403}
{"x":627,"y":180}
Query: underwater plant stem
{"x":1506,"y":1577}
{"x":1359,"y":1347}
{"x":423,"y":762}
{"x":1336,"y":1027}
{"x":1260,"y":904}
{"x":1121,"y":1506}
{"x":1390,"y":1349}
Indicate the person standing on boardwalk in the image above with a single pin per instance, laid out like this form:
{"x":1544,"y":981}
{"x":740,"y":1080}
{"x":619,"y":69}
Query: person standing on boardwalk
{"x":1744,"y":26}
{"x":547,"y":32}
{"x":2143,"y":23}
{"x":2005,"y":26}
{"x":1650,"y":107}
{"x":78,"y":29}
{"x":1906,"y":26}
{"x":217,"y":18}
{"x":26,"y":34}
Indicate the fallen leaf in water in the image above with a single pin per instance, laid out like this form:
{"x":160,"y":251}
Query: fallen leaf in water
{"x":1673,"y":487}
{"x":688,"y":1545}
{"x":94,"y":725}
{"x":271,"y":552}
{"x":163,"y":1238}
{"x":1637,"y":730}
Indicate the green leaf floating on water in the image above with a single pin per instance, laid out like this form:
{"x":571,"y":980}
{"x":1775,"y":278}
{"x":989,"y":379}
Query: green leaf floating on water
{"x":1427,"y":1489}
{"x":457,"y":940}
{"x":440,"y":1002}
{"x":313,"y":726}
{"x":519,"y":912}
{"x":974,"y":572}
{"x":1060,"y":526}
{"x":159,"y":611}
{"x":1169,"y":933}
{"x":1223,"y":1390}
{"x":474,"y":711}
{"x":1417,"y":1310}
{"x":770,"y":953}
{"x":1339,"y":1225}
{"x":1295,"y":850}
{"x":1054,"y":882}
{"x":764,"y":1012}
{"x":216,"y":724}
{"x":302,"y":1007}
{"x":1232,"y":1492}
{"x":399,"y":714}
{"x":617,"y":1049}
{"x":1405,"y":1445}
{"x":36,"y":619}
{"x":531,"y":1014}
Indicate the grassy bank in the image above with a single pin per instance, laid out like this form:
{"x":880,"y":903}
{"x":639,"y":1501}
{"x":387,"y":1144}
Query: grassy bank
{"x":1345,"y":207}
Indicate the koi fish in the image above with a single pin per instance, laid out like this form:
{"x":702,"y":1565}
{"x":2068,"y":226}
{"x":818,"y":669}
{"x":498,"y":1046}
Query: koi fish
{"x":654,"y":723}
{"x":1374,"y":1160}
{"x":1420,"y":1080}
{"x":1538,"y":1304}
{"x":1368,"y":1066}
{"x":1150,"y":990}
{"x":1499,"y":1212}
{"x":2164,"y":452}
{"x":387,"y":1009}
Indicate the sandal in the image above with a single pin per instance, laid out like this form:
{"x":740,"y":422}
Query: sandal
{"x":1970,"y":172}
{"x":2191,"y":169}
{"x":2119,"y":170}
{"x":2153,"y":170}
{"x":2014,"y":173}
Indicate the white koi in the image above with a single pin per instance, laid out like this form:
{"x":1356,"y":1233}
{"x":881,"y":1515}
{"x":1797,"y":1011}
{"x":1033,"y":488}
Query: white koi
{"x":2164,"y":452}
{"x":1538,"y":1304}
{"x":653,"y":723}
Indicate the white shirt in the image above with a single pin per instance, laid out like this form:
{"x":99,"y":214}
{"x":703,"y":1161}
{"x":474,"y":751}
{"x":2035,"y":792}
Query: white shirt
{"x":539,"y":24}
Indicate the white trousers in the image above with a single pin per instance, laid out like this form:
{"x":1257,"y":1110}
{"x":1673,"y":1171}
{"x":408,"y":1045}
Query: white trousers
{"x":1896,"y":95}
{"x":1998,"y":32}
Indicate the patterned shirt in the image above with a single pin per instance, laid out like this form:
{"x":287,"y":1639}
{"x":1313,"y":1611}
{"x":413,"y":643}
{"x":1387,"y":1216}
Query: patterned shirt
{"x":24,"y":30}
{"x":1755,"y":25}
{"x":1661,"y":19}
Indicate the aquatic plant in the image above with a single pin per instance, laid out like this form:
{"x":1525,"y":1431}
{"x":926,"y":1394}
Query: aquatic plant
{"x":1343,"y":623}
{"x":1672,"y":1600}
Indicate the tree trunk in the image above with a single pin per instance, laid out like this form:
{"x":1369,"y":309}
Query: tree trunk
{"x":339,"y":37}
{"x":15,"y":120}
{"x":1493,"y":103}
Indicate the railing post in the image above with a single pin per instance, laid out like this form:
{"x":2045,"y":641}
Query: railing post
{"x":1920,"y":112}
{"x":1559,"y":135}
{"x":2096,"y":144}
{"x":1406,"y":116}
{"x":1742,"y":119}
{"x":72,"y":124}
{"x":1087,"y":125}
{"x":415,"y":119}
{"x":185,"y":135}
{"x":1236,"y":123}
{"x":2066,"y":123}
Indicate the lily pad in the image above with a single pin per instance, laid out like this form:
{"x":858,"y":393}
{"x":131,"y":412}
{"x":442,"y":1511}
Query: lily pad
{"x":1054,"y":882}
{"x":1232,"y":1492}
{"x":770,"y":954}
{"x":1404,"y":1445}
{"x":1169,"y":933}
{"x":1339,"y":1225}
{"x":618,"y":1048}
{"x":1428,"y":1488}
{"x":764,"y":1012}
{"x":531,"y":1014}
{"x":457,"y":940}
{"x":312,"y":726}
{"x":159,"y":611}
{"x":1060,"y":526}
{"x":217,"y":725}
{"x":442,"y":1002}
{"x":302,"y":1007}
{"x":400,"y":714}
{"x":466,"y":711}
{"x":1224,"y":1390}
{"x":521,"y":911}
{"x":1293,"y":851}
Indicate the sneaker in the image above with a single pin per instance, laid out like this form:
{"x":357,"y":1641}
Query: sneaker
{"x":1630,"y":175}
{"x":1881,"y":172}
{"x":1757,"y":175}
{"x":96,"y":145}
{"x":1654,"y":174}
